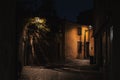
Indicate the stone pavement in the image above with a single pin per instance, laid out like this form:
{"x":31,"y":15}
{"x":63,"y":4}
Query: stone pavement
{"x":79,"y":62}
{"x":41,"y":73}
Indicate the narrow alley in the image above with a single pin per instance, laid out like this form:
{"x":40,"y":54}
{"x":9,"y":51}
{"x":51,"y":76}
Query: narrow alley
{"x":51,"y":47}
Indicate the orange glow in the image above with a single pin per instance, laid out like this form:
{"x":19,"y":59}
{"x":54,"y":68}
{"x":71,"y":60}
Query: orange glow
{"x":72,"y":38}
{"x":71,"y":42}
{"x":91,"y":47}
{"x":83,"y":33}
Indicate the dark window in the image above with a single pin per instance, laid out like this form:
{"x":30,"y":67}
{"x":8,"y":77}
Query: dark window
{"x":79,"y":31}
{"x":79,"y":47}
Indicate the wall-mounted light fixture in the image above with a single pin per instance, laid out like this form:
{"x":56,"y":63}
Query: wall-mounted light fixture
{"x":90,"y":27}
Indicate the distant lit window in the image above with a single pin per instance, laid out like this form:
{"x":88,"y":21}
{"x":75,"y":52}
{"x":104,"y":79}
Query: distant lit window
{"x":111,"y":33}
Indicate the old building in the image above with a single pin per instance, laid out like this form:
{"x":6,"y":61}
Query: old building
{"x":78,"y":41}
{"x":103,"y":35}
{"x":86,"y":18}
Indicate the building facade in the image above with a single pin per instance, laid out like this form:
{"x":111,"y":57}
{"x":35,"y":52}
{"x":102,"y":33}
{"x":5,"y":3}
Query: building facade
{"x":103,"y":35}
{"x":86,"y":18}
{"x":78,"y":41}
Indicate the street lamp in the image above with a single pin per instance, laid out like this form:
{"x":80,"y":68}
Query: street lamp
{"x":90,"y":27}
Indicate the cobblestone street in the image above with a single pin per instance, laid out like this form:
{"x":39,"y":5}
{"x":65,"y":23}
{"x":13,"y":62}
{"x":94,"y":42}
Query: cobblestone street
{"x":40,"y":73}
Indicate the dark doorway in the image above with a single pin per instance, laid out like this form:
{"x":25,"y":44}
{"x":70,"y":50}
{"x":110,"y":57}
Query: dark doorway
{"x":87,"y":50}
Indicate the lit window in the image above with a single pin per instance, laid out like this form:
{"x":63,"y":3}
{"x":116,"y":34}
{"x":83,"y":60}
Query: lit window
{"x":111,"y":33}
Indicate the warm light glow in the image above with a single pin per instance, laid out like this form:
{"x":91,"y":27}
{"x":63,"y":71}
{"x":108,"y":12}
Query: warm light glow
{"x":72,"y":38}
{"x":42,"y":20}
{"x":71,"y":41}
{"x":84,"y":28}
{"x":91,"y":46}
{"x":111,"y":33}
{"x":90,"y":27}
{"x":39,"y":22}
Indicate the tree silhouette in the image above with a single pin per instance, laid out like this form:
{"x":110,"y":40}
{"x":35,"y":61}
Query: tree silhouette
{"x":45,"y":10}
{"x":35,"y":42}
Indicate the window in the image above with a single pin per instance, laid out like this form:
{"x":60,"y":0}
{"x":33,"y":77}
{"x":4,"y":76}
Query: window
{"x":79,"y":47}
{"x":79,"y":31}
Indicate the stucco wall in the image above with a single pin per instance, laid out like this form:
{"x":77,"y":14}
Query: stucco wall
{"x":71,"y":39}
{"x":91,"y":47}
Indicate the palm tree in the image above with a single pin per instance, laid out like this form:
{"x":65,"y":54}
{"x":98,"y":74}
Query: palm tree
{"x":35,"y":42}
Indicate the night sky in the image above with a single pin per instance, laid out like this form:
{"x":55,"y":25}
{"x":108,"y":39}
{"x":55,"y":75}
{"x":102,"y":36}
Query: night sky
{"x":65,"y":8}
{"x":71,"y":8}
